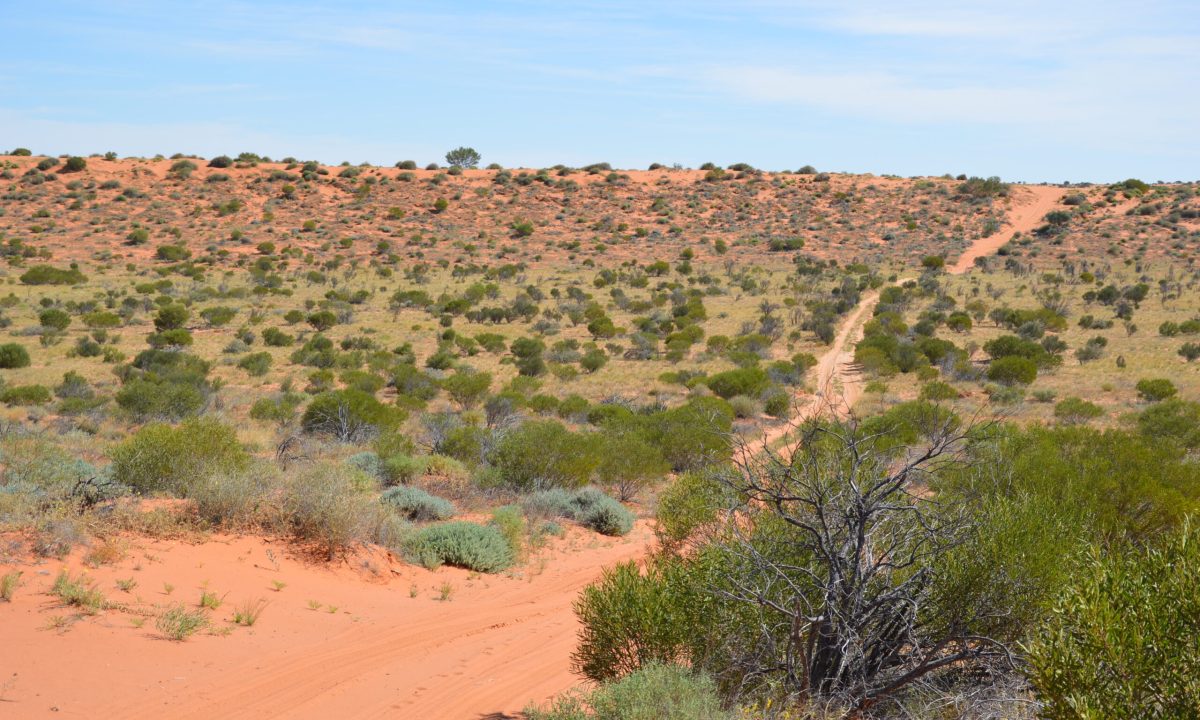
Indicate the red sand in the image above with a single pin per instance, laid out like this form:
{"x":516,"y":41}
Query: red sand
{"x":497,"y":644}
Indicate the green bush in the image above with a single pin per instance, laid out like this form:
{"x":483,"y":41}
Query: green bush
{"x":588,"y":506}
{"x":256,"y":364}
{"x":416,"y":504}
{"x":48,"y":275}
{"x":1122,"y":640}
{"x":1073,"y":410}
{"x":461,"y":544}
{"x":749,"y":381}
{"x":1176,"y":420}
{"x":1156,"y":389}
{"x":161,"y":457}
{"x":329,"y":506}
{"x":543,"y":453}
{"x":653,"y":692}
{"x":25,"y":395}
{"x":13,"y":356}
{"x":349,"y":415}
{"x":1012,"y":370}
{"x":54,"y":319}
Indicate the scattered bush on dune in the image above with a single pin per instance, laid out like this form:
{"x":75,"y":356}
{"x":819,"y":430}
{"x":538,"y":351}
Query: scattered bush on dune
{"x":416,"y":504}
{"x":461,"y":544}
{"x":161,"y":457}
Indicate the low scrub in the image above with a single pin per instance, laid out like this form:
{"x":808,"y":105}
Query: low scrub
{"x":416,"y":504}
{"x":467,"y":545}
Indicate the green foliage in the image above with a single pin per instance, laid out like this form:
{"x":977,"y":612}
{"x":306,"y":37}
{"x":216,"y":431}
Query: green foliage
{"x":629,"y":619}
{"x":482,"y":548}
{"x":544,"y":453}
{"x":161,"y":457}
{"x":467,"y":388}
{"x":48,"y":275}
{"x":463,"y":157}
{"x":416,"y":504}
{"x":653,"y":692}
{"x":1012,"y":370}
{"x":25,"y":395}
{"x":1073,"y":410}
{"x":13,"y":356}
{"x":1156,"y":389}
{"x":329,"y":506}
{"x":1174,"y":420}
{"x":54,"y":319}
{"x":349,"y":415}
{"x":1122,"y":639}
{"x":749,"y":381}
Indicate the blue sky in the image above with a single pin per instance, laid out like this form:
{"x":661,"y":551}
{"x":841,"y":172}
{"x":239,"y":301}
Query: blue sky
{"x":1029,"y":90}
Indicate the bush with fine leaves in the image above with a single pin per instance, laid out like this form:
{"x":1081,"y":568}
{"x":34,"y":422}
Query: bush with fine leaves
{"x":416,"y":504}
{"x":482,"y":548}
{"x":1122,"y":640}
{"x":655,"y":692}
{"x":588,"y":506}
{"x":161,"y":457}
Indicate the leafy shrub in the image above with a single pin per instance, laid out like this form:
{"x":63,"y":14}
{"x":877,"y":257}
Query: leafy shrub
{"x":1155,"y":389}
{"x":25,"y":395}
{"x":348,"y":415}
{"x":13,"y":356}
{"x":1122,"y":638}
{"x":653,"y":692}
{"x":328,"y":506}
{"x":416,"y":504}
{"x":48,"y":275}
{"x":461,"y":544}
{"x":1012,"y":370}
{"x":588,"y":506}
{"x":161,"y":457}
{"x":749,"y":381}
{"x":1176,"y":420}
{"x":543,"y":453}
{"x":256,"y":364}
{"x":1073,"y":410}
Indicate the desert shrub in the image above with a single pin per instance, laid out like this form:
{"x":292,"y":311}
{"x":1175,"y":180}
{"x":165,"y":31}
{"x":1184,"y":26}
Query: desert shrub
{"x":13,"y":356}
{"x":75,"y":164}
{"x":1122,"y":637}
{"x":544,"y":453}
{"x":416,"y":504}
{"x":693,"y":434}
{"x":461,"y":544}
{"x":463,"y":157}
{"x":510,"y":521}
{"x":281,"y":409}
{"x":629,"y":619}
{"x":749,"y":381}
{"x":274,"y":337}
{"x":329,"y":506}
{"x":588,"y":506}
{"x":1155,"y":389}
{"x":25,"y":395}
{"x":164,"y":384}
{"x":48,"y":275}
{"x":161,"y":457}
{"x":653,"y":692}
{"x":467,"y":388}
{"x":1012,"y":370}
{"x":235,"y":498}
{"x":256,"y":364}
{"x":218,"y":316}
{"x":54,"y":319}
{"x":937,"y":391}
{"x":1073,"y":410}
{"x":348,"y":415}
{"x":602,"y":513}
{"x":628,"y":462}
{"x":1175,"y":420}
{"x":221,"y":161}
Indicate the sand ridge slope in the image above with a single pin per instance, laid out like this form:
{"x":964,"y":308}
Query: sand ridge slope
{"x":377,"y":645}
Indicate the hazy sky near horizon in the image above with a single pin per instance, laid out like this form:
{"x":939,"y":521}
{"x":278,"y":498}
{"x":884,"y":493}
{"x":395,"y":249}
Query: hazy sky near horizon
{"x":1025,"y":89}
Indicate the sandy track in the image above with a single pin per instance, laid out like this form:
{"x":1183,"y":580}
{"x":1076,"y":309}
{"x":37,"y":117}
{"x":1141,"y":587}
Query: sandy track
{"x":497,"y":644}
{"x":839,"y":383}
{"x":1030,"y":203}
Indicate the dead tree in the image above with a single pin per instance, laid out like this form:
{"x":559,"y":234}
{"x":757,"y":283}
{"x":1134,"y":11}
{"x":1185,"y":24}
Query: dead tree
{"x":837,"y":544}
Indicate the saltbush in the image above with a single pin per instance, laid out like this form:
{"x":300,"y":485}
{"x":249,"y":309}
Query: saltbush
{"x":461,"y":544}
{"x":416,"y":504}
